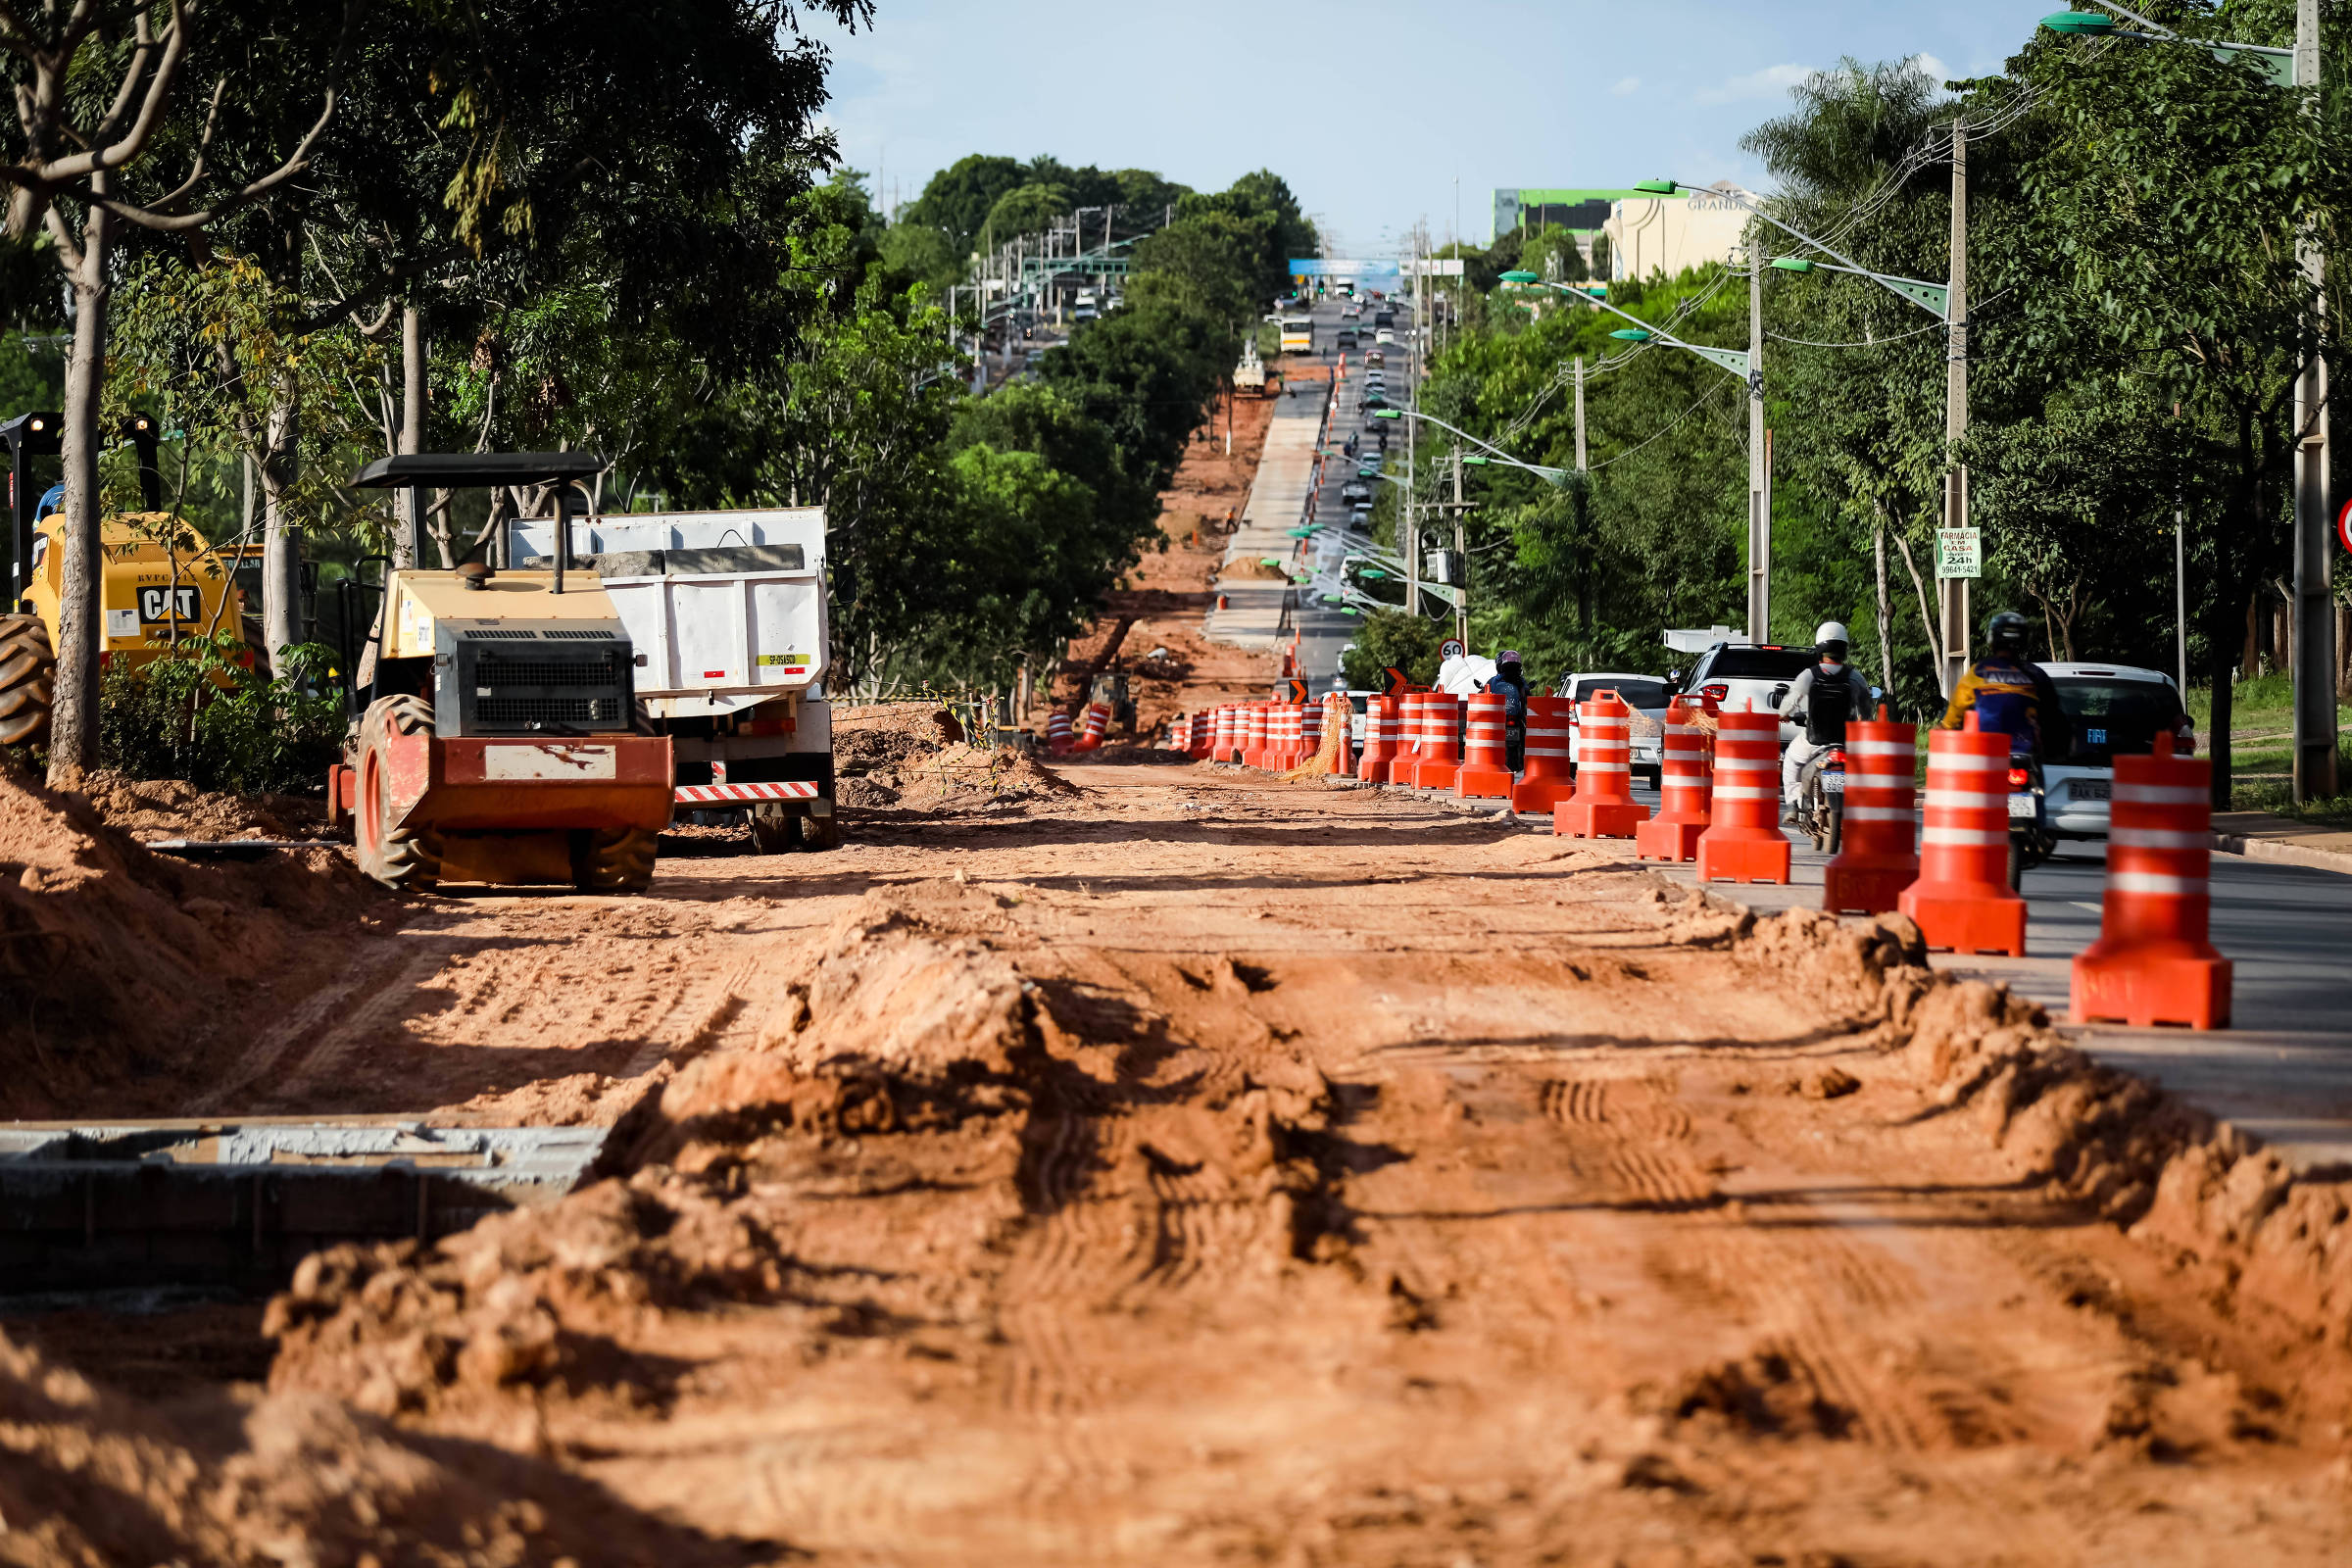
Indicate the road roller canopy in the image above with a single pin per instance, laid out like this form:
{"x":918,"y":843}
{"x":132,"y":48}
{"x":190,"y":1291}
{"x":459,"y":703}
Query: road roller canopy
{"x":476,"y":471}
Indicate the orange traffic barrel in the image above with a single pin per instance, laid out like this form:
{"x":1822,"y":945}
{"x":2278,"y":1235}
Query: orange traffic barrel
{"x":1548,"y":779}
{"x":1195,"y":741}
{"x":1487,"y":766}
{"x":1962,"y":900}
{"x":1253,"y":738}
{"x":1097,"y":724}
{"x":1684,"y":774}
{"x":1311,"y":733}
{"x":1338,"y":712}
{"x":1444,"y":737}
{"x":1603,"y":806}
{"x":1878,"y":847}
{"x":2152,"y":963}
{"x":1412,"y":744}
{"x":1058,"y":732}
{"x":1382,"y":720}
{"x":1220,"y":734}
{"x":1743,"y":841}
{"x":1283,"y":736}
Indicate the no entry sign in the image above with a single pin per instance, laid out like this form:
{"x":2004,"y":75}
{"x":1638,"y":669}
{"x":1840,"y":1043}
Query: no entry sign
{"x":2344,"y":525}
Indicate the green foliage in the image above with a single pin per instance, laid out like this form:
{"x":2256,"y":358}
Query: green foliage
{"x":923,"y":254}
{"x":205,"y":716}
{"x":1386,"y":638}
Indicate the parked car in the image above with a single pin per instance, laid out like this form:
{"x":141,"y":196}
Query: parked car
{"x":1645,"y":694}
{"x":1735,"y":673}
{"x":2111,"y":711}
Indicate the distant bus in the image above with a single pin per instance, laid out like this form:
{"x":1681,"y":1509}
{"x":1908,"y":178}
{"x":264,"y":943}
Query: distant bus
{"x":1298,"y":334}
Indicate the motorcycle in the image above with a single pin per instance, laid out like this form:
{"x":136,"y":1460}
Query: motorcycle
{"x":1820,"y":799}
{"x":2030,"y":841}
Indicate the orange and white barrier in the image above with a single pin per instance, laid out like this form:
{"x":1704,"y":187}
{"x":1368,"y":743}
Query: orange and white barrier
{"x":1413,"y":742}
{"x":1442,"y":736}
{"x":1743,"y":841}
{"x":1220,"y":734}
{"x":1254,"y":739}
{"x":1548,"y":778}
{"x":1196,"y":743}
{"x":1486,"y":768}
{"x":1058,"y":732}
{"x":1311,"y":733}
{"x":2154,"y":964}
{"x":1684,"y":772}
{"x":1878,"y":847}
{"x":1097,"y":726}
{"x":1603,"y":806}
{"x":1383,"y":720}
{"x":1962,"y":900}
{"x":1283,"y":737}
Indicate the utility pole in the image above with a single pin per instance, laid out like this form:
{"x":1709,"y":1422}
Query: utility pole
{"x":1582,"y":502}
{"x":2315,"y":597}
{"x":1759,"y":480}
{"x":1951,"y":661}
{"x":1410,"y":536}
{"x":1461,"y":556}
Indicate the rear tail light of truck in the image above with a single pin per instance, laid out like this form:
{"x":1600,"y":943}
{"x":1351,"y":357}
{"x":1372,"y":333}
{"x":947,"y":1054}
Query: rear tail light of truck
{"x":2184,"y":739}
{"x":1718,"y":691}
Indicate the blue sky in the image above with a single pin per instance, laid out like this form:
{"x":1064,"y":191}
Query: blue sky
{"x":1373,"y":112}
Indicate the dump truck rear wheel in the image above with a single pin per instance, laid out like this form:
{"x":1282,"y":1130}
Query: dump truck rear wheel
{"x":772,"y":832}
{"x":404,"y":859}
{"x":28,"y":680}
{"x":614,"y":859}
{"x":820,"y":832}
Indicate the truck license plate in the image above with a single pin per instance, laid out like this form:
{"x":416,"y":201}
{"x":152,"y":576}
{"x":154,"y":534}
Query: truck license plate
{"x":2021,"y":805}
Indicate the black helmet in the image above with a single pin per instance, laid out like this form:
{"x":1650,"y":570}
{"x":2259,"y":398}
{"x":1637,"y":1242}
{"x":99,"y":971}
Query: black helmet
{"x":2006,"y":630}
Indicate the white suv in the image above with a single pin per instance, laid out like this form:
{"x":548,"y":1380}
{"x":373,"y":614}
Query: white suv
{"x":2111,"y":709}
{"x":1737,"y":673}
{"x":1645,"y":694}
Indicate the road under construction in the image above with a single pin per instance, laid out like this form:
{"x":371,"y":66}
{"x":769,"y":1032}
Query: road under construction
{"x":1125,"y":1157}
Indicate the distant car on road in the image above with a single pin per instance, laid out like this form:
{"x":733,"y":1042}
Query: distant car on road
{"x":1368,"y":468}
{"x":2111,"y":711}
{"x":1384,"y":316}
{"x":1384,"y":335}
{"x":1375,"y":400}
{"x":1356,"y":490}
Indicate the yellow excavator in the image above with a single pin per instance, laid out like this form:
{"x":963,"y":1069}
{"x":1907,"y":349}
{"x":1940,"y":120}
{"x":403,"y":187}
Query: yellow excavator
{"x":164,"y":581}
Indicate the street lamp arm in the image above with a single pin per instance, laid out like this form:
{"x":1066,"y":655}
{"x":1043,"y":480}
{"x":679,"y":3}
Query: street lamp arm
{"x":1732,"y":361}
{"x":1492,"y":451}
{"x":1882,"y":279}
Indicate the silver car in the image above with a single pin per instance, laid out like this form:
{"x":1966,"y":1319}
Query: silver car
{"x":2111,"y":711}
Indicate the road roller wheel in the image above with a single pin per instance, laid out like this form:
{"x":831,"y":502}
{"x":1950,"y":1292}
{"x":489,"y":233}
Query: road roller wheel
{"x":28,"y":680}
{"x":406,"y":860}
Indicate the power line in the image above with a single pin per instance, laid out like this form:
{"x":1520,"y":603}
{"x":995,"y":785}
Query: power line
{"x":1705,"y":398}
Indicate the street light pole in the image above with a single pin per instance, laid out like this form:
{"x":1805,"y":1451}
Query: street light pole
{"x":2313,"y":617}
{"x":1759,"y":476}
{"x":1951,"y":663}
{"x":1461,"y":554}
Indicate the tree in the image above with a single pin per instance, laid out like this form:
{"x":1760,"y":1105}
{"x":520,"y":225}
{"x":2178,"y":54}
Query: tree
{"x":1029,"y":209}
{"x":80,"y":197}
{"x":957,"y":199}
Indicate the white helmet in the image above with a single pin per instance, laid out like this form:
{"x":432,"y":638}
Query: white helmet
{"x":1831,"y":631}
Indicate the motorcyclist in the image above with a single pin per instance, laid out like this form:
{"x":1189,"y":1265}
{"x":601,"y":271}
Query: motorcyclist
{"x":1829,"y":691}
{"x":2010,"y":693}
{"x":1510,"y":684}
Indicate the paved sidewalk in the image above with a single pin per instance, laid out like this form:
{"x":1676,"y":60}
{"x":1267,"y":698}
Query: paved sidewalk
{"x":1285,"y":470}
{"x":2259,"y":836}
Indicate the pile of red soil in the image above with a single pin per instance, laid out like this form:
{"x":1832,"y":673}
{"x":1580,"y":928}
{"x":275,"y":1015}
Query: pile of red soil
{"x":173,"y":809}
{"x":131,"y":971}
{"x":913,"y":756}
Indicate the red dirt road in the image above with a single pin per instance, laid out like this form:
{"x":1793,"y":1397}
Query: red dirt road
{"x":1199,"y":1170}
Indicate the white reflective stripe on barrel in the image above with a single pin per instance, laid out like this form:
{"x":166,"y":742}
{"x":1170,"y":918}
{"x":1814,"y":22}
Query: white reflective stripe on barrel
{"x":2157,"y":838}
{"x":1742,"y":792}
{"x":1884,"y":749}
{"x":2178,"y":887}
{"x":1967,"y":762}
{"x":1976,"y":838}
{"x":1746,"y":765}
{"x":1966,"y":801}
{"x":1876,"y":814}
{"x":2159,"y":795}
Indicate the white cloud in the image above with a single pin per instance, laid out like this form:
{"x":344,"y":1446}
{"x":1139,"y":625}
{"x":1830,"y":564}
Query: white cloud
{"x":1625,"y":88}
{"x":1770,"y":82}
{"x":1934,"y":70}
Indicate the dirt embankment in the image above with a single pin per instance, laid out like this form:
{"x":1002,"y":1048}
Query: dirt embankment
{"x":1156,"y":615}
{"x":129,"y":973}
{"x":1029,"y":1225}
{"x":915,"y":757}
{"x":1195,"y":1169}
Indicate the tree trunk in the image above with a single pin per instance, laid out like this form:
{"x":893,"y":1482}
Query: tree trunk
{"x":80,"y":617}
{"x":281,"y":539}
{"x":1877,"y":539}
{"x":2249,"y":661}
{"x":411,"y":427}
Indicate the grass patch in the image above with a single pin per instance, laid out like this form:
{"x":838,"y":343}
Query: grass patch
{"x":2262,"y":729}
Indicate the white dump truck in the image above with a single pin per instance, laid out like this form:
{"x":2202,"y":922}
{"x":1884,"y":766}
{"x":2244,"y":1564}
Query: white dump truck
{"x":725,"y":612}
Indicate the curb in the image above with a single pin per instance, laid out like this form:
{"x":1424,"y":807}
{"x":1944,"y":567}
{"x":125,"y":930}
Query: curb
{"x":2278,"y":854}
